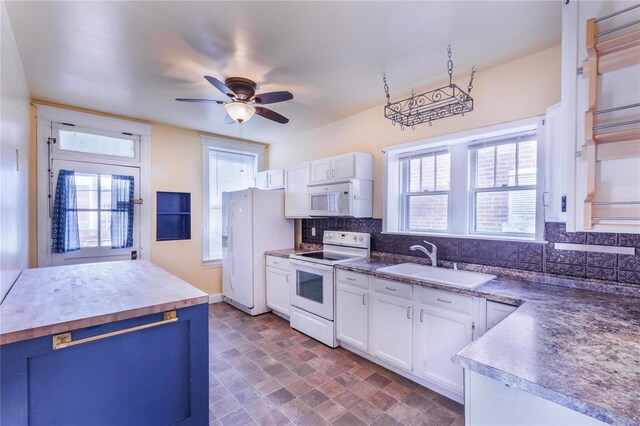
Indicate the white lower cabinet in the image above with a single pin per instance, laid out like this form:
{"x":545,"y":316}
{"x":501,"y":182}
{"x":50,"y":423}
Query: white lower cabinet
{"x":353,"y":316}
{"x":438,"y":335}
{"x":278,"y":285}
{"x":496,"y":312}
{"x":392,"y":330}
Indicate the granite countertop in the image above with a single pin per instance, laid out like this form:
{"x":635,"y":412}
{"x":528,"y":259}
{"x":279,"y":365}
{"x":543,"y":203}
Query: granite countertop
{"x":52,"y":300}
{"x":575,"y":347}
{"x":284,"y":253}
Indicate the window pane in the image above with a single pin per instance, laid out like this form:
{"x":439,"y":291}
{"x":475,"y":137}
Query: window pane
{"x":506,"y":212}
{"x":88,"y":228}
{"x":105,"y":229}
{"x":527,"y":162}
{"x":442,"y":172}
{"x":414,"y":175}
{"x":506,"y":165}
{"x":96,"y":144}
{"x":485,"y":161}
{"x":428,"y":212}
{"x":228,"y":171}
{"x":105,"y":192}
{"x":428,"y":173}
{"x":87,"y":191}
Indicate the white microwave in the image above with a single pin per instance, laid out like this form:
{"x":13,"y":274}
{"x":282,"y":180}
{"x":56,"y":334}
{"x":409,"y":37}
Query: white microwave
{"x":349,"y":199}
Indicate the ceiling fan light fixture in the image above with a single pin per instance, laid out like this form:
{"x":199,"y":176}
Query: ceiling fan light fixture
{"x":240,"y":111}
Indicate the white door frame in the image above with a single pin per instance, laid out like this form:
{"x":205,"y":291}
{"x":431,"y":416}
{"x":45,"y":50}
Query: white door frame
{"x":47,"y":115}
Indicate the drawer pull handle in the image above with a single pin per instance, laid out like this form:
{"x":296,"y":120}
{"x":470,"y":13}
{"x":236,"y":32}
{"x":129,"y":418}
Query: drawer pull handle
{"x":275,"y":263}
{"x":364,"y":299}
{"x":287,"y":277}
{"x":421,"y":313}
{"x":391,"y":289}
{"x":350,"y":279}
{"x":65,"y":340}
{"x":443,"y":301}
{"x":408,"y":312}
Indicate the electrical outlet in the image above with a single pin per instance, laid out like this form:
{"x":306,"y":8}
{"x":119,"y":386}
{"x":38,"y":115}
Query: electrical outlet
{"x":313,"y":231}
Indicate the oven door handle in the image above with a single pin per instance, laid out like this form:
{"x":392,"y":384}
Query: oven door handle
{"x":317,"y":266}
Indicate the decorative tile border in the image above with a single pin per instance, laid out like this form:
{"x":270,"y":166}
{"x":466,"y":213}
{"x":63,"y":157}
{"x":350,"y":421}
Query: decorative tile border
{"x":624,"y":268}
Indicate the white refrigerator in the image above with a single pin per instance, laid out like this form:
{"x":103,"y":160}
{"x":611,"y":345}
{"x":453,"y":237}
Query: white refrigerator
{"x":252,"y":222}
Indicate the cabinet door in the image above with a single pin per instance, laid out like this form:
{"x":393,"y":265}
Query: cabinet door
{"x":555,"y":179}
{"x":296,"y":200}
{"x":391,"y":331}
{"x":440,"y":334}
{"x":496,"y":312}
{"x":321,"y":170}
{"x":262,"y":180}
{"x":352,"y":316}
{"x":343,"y":167}
{"x":276,"y":178}
{"x":278,"y":290}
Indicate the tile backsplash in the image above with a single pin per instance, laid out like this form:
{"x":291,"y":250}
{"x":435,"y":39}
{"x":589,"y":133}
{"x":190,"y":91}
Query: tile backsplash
{"x":516,"y":255}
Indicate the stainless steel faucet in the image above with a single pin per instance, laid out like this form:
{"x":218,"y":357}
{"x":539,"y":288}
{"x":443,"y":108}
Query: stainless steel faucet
{"x":433,"y":254}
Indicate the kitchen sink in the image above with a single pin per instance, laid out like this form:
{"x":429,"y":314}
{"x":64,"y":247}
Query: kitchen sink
{"x":452,"y":277}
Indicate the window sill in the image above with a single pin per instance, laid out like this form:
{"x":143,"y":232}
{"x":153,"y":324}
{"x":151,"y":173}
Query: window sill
{"x":469,"y":236}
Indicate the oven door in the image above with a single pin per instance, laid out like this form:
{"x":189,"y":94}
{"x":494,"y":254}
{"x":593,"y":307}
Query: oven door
{"x":312,"y":288}
{"x":324,"y":203}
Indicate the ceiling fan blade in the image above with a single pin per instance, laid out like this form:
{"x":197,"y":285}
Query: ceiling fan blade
{"x":204,"y":101}
{"x":228,"y":119}
{"x":273,"y":97}
{"x":220,"y":86}
{"x":271,"y":115}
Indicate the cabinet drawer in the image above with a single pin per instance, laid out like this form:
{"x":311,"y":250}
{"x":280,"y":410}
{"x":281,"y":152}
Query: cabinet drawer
{"x":278,"y":262}
{"x":353,"y":278}
{"x":393,"y":288}
{"x":446,"y":300}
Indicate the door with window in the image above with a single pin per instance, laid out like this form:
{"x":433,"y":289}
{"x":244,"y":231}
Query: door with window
{"x":96,"y":213}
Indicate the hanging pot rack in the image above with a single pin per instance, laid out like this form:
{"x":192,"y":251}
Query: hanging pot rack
{"x":445,"y":101}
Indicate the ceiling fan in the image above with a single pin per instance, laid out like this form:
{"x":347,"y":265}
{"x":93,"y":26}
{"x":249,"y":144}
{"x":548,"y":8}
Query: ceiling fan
{"x":244,"y":101}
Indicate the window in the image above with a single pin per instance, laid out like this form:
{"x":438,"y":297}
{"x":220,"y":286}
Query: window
{"x":228,"y":166}
{"x":425,"y":191}
{"x":477,"y":184}
{"x":97,"y":144}
{"x":503,"y":185}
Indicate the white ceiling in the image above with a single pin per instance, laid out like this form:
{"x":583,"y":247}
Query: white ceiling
{"x":134,"y":58}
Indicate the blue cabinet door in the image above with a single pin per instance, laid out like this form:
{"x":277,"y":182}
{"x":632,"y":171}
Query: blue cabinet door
{"x":153,"y":376}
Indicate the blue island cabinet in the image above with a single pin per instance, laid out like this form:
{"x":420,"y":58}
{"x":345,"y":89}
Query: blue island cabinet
{"x":148,"y":370}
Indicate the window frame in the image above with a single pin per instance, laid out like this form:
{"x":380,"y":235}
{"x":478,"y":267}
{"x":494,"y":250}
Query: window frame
{"x":210,"y":143}
{"x":459,"y":191}
{"x":473,"y":148}
{"x":405,"y":193}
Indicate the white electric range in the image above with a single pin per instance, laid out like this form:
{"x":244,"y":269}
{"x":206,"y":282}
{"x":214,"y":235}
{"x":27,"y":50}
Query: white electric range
{"x":313,"y":293}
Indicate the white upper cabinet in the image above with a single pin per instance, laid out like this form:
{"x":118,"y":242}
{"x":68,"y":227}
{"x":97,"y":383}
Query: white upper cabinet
{"x":555,"y":195}
{"x":296,"y":202}
{"x":270,"y":179}
{"x":355,"y":165}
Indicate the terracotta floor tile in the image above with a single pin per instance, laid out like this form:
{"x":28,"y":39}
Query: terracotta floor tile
{"x":330,"y":410}
{"x":314,"y":397}
{"x":261,"y":371}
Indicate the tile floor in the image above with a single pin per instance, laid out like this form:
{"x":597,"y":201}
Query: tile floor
{"x":263,"y":372}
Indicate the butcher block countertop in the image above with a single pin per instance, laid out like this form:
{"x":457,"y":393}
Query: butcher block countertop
{"x":59,"y":299}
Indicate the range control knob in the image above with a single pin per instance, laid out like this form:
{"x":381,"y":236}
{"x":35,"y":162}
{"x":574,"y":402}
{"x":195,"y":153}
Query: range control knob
{"x":360,"y":238}
{"x":355,"y":237}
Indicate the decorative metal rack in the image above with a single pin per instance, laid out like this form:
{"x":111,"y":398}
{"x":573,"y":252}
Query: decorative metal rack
{"x":445,"y":101}
{"x":601,"y":143}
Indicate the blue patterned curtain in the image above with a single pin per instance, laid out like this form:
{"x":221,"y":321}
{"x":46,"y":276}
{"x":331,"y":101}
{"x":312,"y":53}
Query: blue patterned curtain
{"x":64,"y":220}
{"x":121,"y":211}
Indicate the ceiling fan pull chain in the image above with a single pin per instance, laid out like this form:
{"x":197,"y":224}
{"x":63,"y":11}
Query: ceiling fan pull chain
{"x":449,"y":65}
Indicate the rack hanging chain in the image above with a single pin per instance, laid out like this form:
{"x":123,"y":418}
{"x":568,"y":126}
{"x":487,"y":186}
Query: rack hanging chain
{"x":386,"y":88}
{"x":449,"y":65}
{"x":470,"y":86}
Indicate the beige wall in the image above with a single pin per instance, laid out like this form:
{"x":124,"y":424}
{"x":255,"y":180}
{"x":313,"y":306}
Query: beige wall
{"x":518,"y":89}
{"x":14,"y":159}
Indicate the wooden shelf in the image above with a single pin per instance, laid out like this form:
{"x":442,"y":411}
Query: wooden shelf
{"x":614,"y":60}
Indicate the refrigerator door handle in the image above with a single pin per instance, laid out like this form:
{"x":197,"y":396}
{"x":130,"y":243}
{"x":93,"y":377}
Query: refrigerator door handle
{"x":230,"y":244}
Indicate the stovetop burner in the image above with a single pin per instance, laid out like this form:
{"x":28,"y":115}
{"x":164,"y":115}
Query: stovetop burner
{"x":322,"y":255}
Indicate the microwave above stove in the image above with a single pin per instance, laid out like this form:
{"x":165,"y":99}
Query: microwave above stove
{"x":348,"y":199}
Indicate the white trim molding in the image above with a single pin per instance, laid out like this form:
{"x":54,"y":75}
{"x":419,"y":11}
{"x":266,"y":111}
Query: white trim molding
{"x":46,"y":116}
{"x":595,"y":248}
{"x":215,"y":298}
